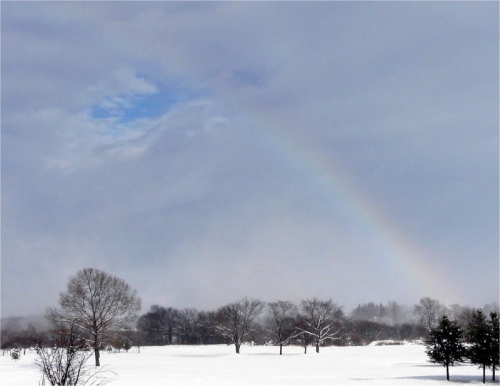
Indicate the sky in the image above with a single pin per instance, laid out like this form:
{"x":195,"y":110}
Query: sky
{"x":208,"y":151}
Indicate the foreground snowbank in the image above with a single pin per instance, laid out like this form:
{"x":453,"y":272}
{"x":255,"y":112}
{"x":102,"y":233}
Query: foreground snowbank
{"x":404,"y":365}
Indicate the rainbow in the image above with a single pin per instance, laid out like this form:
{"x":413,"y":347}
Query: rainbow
{"x":400,"y":254}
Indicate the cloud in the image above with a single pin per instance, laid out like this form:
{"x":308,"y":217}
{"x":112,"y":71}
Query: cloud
{"x":122,"y":82}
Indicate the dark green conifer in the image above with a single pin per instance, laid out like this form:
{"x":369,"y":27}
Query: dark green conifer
{"x":444,"y":344}
{"x":480,"y":339}
{"x":495,"y":349}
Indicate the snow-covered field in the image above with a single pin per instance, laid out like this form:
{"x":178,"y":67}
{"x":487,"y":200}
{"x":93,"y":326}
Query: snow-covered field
{"x":404,"y":365}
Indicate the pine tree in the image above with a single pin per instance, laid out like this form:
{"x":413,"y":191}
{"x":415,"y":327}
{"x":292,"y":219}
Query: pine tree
{"x":480,"y":339}
{"x":444,"y":344}
{"x":495,"y":347}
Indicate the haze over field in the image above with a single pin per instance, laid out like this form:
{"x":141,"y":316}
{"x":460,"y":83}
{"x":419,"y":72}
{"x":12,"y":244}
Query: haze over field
{"x":208,"y":151}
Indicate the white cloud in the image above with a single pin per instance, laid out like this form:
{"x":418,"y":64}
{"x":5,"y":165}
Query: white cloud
{"x":83,"y":141}
{"x":118,"y":89}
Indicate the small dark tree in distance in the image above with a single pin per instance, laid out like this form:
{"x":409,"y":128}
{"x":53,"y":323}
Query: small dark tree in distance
{"x":479,"y":337}
{"x":126,"y":344}
{"x":15,"y":353}
{"x":444,"y":344}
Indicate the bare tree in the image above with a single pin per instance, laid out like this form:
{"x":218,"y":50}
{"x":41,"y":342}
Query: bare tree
{"x":62,"y":363}
{"x":304,"y":338}
{"x":363,"y":332}
{"x":321,"y":320}
{"x":281,"y":320}
{"x":189,"y":326}
{"x":96,"y":302}
{"x":160,"y":324}
{"x":167,"y":320}
{"x":235,"y":321}
{"x":428,"y":312}
{"x":208,"y":334}
{"x":461,"y":314}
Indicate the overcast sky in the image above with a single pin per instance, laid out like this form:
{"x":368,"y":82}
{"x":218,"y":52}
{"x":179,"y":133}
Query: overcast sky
{"x":204,"y":152}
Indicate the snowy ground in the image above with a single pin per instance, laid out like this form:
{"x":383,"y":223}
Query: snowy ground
{"x":404,"y":365}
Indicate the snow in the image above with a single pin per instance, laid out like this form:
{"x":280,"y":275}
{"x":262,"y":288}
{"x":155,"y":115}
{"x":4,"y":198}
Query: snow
{"x":374,"y":365}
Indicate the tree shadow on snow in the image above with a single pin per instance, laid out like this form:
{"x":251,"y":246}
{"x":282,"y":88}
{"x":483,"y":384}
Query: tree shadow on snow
{"x":453,"y":379}
{"x":269,"y":354}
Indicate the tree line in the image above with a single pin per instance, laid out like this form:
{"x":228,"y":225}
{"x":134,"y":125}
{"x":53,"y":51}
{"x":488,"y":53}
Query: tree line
{"x":103,"y":309}
{"x":313,"y":321}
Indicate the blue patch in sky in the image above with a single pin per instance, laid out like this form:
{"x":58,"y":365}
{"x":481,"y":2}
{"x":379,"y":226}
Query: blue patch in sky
{"x":127,"y":108}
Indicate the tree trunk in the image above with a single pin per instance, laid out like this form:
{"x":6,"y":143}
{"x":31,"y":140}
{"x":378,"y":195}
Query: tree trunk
{"x":237,"y":348}
{"x":305,"y":349}
{"x":493,"y":377}
{"x":281,"y":350}
{"x":484,"y":373}
{"x":317,"y":347}
{"x":170,"y":334}
{"x":96,"y":350}
{"x":447,"y":372}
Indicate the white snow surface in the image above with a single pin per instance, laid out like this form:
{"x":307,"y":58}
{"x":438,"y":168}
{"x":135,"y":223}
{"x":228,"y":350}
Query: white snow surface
{"x":404,"y":365}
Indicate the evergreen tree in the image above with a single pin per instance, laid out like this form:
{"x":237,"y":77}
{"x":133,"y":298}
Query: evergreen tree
{"x":495,"y":347}
{"x":444,"y":344}
{"x":480,"y":339}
